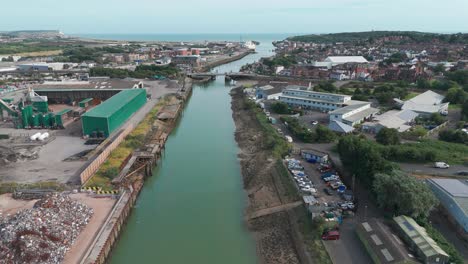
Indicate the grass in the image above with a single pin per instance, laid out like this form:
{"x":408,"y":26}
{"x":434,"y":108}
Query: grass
{"x":445,"y":151}
{"x":410,"y":96}
{"x":312,"y":237}
{"x":273,"y":140}
{"x":103,"y":177}
{"x":455,"y":106}
{"x":9,"y":187}
{"x":40,"y":53}
{"x":286,"y":181}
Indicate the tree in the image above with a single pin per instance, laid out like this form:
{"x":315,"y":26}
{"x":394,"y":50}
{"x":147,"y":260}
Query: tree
{"x":280,"y":108}
{"x":422,"y":83}
{"x":362,"y":157}
{"x":388,"y":136}
{"x":456,"y":136}
{"x":437,"y":118}
{"x":403,"y":194}
{"x":456,"y":95}
{"x":324,"y":134}
{"x":464,"y":111}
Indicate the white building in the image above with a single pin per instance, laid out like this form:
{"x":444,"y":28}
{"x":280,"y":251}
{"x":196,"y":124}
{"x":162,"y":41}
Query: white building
{"x":354,"y":113}
{"x":425,"y":104}
{"x":399,"y":120}
{"x":338,"y":60}
{"x":301,"y":97}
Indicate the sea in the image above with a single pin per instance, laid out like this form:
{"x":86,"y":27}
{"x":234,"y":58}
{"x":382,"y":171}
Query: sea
{"x":195,"y":37}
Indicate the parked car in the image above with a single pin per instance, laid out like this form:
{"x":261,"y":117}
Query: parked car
{"x":462,"y":173}
{"x":331,"y":235}
{"x":327,"y":191}
{"x":314,"y":122}
{"x":441,"y":165}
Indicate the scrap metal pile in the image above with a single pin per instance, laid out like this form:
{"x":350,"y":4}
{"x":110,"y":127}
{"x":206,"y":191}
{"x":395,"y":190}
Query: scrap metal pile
{"x":44,"y":233}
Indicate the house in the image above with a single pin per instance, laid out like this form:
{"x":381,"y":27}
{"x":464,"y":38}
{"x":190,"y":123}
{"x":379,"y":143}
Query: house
{"x":399,"y":120}
{"x":314,"y":156}
{"x":354,"y":113}
{"x":340,"y":127}
{"x":381,"y":244}
{"x":416,"y":237}
{"x":453,"y":196}
{"x":268,"y":92}
{"x":339,"y":75}
{"x":301,"y":97}
{"x":425,"y":104}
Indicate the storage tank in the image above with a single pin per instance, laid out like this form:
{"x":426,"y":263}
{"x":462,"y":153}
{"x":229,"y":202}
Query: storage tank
{"x":43,"y":136}
{"x":35,"y":136}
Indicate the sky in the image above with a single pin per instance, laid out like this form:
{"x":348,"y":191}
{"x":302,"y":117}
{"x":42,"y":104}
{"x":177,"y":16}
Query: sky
{"x":238,"y":16}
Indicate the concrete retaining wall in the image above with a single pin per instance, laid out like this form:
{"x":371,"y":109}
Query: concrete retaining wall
{"x":94,"y":166}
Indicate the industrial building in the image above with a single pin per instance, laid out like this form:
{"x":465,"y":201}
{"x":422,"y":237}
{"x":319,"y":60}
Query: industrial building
{"x":381,"y":244}
{"x":426,"y":103}
{"x":302,"y":97}
{"x":268,"y":92}
{"x":453,"y":196}
{"x":105,"y":118}
{"x":427,"y":250}
{"x":354,"y":113}
{"x":400,"y":120}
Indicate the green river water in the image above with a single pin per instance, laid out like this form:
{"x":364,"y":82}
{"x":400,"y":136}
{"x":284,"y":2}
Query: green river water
{"x":191,"y":210}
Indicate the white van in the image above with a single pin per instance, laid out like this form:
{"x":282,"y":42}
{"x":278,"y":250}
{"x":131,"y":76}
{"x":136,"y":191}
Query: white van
{"x":441,"y":165}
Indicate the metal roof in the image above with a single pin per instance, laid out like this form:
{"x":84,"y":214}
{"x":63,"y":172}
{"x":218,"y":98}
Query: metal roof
{"x":340,"y":127}
{"x":355,"y":105}
{"x":110,"y":106}
{"x":361,"y":115}
{"x":64,"y":111}
{"x":456,"y":188}
{"x":346,"y":59}
{"x":419,"y":236}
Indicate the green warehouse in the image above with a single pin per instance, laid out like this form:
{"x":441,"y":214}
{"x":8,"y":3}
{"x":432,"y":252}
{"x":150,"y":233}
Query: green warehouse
{"x":105,"y":118}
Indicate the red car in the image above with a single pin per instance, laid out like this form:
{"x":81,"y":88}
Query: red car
{"x":331,"y":235}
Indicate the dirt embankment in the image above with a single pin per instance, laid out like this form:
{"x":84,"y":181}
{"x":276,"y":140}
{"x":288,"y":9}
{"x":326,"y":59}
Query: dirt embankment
{"x":274,"y":234}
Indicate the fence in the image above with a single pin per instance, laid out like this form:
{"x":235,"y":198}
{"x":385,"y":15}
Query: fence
{"x":439,"y":127}
{"x":97,"y":162}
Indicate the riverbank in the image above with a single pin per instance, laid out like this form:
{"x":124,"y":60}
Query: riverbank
{"x":277,"y":237}
{"x":161,"y":120}
{"x":213,"y":64}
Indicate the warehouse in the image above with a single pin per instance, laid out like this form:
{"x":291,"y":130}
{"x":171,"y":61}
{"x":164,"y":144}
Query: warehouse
{"x":419,"y":241}
{"x":453,"y":196}
{"x":381,"y":244}
{"x":105,"y":118}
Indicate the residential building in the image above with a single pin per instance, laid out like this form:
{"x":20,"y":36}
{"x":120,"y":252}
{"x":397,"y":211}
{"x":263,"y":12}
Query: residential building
{"x":354,"y":113}
{"x":416,"y":237}
{"x":381,"y":244}
{"x":268,"y":92}
{"x":453,"y":196}
{"x":425,"y":104}
{"x":301,"y":97}
{"x":399,"y":120}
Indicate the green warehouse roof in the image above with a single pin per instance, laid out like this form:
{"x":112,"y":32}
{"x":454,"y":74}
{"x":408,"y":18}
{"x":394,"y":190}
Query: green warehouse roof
{"x":419,"y":236}
{"x":86,"y":101}
{"x":110,"y":106}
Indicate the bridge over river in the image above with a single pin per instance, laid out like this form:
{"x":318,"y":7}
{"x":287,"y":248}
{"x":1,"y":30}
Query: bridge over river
{"x":227,"y":75}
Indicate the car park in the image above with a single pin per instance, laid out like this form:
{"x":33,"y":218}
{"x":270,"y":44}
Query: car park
{"x":331,"y":235}
{"x":327,"y":191}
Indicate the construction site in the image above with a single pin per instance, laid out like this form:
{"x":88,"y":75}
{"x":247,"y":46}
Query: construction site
{"x":54,"y":140}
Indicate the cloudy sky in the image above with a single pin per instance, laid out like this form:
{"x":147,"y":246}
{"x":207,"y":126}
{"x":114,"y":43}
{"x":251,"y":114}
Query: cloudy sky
{"x":239,"y":16}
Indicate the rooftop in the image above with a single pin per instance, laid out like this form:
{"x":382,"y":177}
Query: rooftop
{"x":351,"y":105}
{"x":340,"y":127}
{"x":382,"y":242}
{"x":108,"y":107}
{"x":92,"y":84}
{"x":361,"y":115}
{"x":419,"y":236}
{"x":346,"y":59}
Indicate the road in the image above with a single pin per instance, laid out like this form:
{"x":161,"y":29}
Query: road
{"x":429,"y":169}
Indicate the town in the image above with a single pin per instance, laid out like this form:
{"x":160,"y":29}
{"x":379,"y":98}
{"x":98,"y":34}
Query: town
{"x":352,"y":147}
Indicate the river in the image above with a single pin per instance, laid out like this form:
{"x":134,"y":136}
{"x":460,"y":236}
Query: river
{"x":191,"y":210}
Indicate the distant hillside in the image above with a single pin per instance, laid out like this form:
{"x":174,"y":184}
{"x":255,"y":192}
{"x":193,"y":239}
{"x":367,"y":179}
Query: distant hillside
{"x":413,"y":36}
{"x":30,"y":32}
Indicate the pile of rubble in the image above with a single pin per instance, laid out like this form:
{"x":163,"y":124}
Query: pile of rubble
{"x":44,"y":233}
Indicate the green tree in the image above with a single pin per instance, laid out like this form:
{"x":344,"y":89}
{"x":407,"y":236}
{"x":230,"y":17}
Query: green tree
{"x":456,"y":95}
{"x":362,"y":157}
{"x":324,"y":134}
{"x":403,"y":194}
{"x":437,"y":118}
{"x":388,"y":136}
{"x":280,"y":108}
{"x":464,"y":111}
{"x":456,"y":136}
